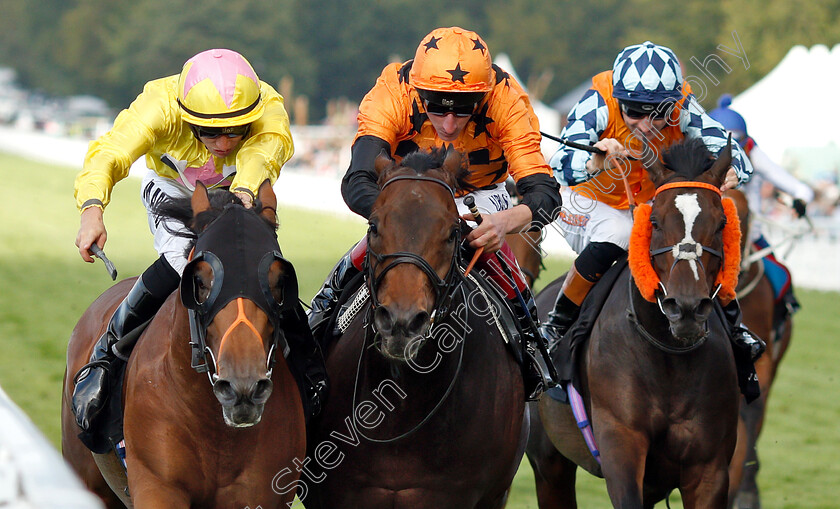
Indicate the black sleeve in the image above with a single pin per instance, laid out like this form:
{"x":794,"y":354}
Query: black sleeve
{"x":541,"y":194}
{"x":359,"y":186}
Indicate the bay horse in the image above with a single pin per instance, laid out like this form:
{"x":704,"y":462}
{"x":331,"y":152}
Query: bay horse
{"x":756,"y":295}
{"x":215,"y":439}
{"x":426,"y":408}
{"x":657,"y":375}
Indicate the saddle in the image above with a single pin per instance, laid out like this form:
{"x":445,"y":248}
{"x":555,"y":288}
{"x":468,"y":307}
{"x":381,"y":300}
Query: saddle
{"x":566,"y":352}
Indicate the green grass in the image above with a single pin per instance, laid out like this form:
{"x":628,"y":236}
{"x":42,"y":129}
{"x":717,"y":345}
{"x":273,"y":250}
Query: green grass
{"x":45,"y":287}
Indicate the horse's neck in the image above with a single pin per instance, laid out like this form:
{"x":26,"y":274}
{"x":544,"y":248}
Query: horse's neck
{"x":178,"y":359}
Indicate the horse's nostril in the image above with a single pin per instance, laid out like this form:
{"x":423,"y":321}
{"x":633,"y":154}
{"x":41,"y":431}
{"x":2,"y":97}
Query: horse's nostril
{"x":383,"y":319}
{"x":262,"y":390}
{"x":224,"y":392}
{"x":703,"y":310}
{"x":417,"y":326}
{"x":671,"y":308}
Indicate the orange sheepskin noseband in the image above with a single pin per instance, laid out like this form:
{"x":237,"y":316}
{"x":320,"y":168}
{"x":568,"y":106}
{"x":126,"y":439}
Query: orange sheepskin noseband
{"x":640,"y":261}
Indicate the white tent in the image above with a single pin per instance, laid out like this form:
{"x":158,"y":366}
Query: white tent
{"x":794,"y":105}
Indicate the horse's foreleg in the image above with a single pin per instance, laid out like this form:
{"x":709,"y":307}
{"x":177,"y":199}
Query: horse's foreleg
{"x":150,"y":492}
{"x":554,"y":474}
{"x":623,"y":454}
{"x":707,"y":485}
{"x":739,"y":458}
{"x":747,"y":496}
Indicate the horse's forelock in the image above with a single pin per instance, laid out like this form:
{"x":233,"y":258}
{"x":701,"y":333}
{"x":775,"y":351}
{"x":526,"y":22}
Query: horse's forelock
{"x":688,"y":159}
{"x":427,"y":163}
{"x":180,"y":210}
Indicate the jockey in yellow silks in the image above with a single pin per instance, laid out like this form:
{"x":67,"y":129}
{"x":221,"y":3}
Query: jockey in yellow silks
{"x":214,"y":123}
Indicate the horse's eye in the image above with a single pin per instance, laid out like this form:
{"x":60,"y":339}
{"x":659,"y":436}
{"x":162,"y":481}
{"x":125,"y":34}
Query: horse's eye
{"x":654,"y":222}
{"x":202,"y":290}
{"x":453,"y":235}
{"x":722,"y":225}
{"x":372,"y":229}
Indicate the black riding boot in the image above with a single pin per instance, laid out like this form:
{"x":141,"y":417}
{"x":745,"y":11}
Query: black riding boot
{"x":324,"y":302}
{"x":114,"y":346}
{"x":534,"y":377}
{"x":739,"y":334}
{"x":306,"y":356}
{"x":566,"y":307}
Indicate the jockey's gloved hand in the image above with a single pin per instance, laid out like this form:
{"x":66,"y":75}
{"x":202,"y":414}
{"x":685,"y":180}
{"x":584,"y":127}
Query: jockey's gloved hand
{"x":799,"y":207}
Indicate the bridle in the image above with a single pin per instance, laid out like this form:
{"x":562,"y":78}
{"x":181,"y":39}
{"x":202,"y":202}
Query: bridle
{"x":686,"y":251}
{"x":443,"y":288}
{"x":248,"y":280}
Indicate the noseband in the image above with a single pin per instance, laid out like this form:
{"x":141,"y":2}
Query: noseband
{"x":443,"y":287}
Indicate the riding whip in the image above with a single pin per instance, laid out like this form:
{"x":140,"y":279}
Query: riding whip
{"x":469,"y":201}
{"x":97,"y":252}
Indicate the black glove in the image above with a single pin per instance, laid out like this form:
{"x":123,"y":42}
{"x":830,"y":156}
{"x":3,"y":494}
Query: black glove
{"x":799,"y":207}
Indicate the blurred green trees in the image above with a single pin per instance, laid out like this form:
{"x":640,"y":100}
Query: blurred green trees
{"x":336,"y":48}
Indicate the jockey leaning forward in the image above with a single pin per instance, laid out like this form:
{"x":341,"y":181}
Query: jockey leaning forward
{"x":451,"y":94}
{"x":215,"y":123}
{"x":766,"y":170}
{"x":643,"y":99}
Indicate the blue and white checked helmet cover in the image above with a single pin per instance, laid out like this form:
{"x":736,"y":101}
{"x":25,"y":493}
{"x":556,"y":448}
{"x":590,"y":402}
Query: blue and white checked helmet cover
{"x":647,"y":73}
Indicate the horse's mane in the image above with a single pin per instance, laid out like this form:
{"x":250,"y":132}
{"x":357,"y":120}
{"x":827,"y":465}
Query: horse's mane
{"x":180,"y":210}
{"x":423,"y":161}
{"x":688,"y":159}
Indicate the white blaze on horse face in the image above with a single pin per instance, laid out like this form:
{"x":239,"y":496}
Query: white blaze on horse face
{"x":690,"y":208}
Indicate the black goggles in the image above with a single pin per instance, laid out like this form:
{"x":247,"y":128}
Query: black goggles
{"x":216,"y":132}
{"x":459,"y":111}
{"x":640,"y":111}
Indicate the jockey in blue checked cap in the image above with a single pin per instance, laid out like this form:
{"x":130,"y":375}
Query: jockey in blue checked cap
{"x":642,"y":101}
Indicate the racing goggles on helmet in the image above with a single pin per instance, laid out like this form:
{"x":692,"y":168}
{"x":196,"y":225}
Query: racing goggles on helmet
{"x":216,"y":132}
{"x":461,"y":104}
{"x":637,"y":110}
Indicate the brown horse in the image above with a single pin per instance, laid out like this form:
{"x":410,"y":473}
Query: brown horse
{"x":214,"y":439}
{"x":427,"y":406}
{"x":657,"y":375}
{"x":755,"y":294}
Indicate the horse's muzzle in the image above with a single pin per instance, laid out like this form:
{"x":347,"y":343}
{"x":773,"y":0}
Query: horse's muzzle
{"x":687,"y":317}
{"x":242,"y":402}
{"x":401,"y":333}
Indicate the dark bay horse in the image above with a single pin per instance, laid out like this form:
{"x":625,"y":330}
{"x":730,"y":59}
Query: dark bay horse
{"x":215,"y":439}
{"x":657,"y":375}
{"x":756,"y":296}
{"x":426,"y":408}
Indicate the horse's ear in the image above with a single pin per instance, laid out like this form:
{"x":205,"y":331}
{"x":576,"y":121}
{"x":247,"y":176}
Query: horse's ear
{"x":717,"y":173}
{"x":382,"y":163}
{"x":657,"y":171}
{"x":200,"y":199}
{"x":269,"y":201}
{"x":453,"y":162}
